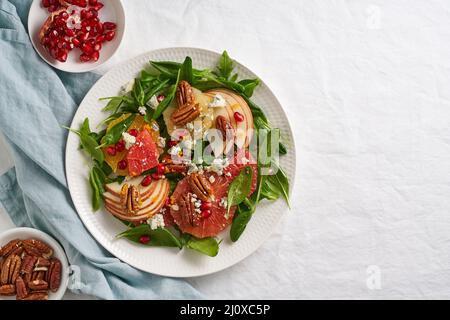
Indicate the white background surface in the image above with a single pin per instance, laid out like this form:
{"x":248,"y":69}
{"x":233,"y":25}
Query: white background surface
{"x":366,"y":85}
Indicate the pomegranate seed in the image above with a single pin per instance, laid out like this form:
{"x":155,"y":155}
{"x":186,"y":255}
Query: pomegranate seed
{"x":146,"y":181}
{"x":161,"y":97}
{"x":53,"y":2}
{"x":54,"y":34}
{"x":93,"y":2}
{"x":86,"y":48}
{"x":110,"y":25}
{"x":61,"y":56}
{"x":52,"y":44}
{"x":93,"y":22}
{"x":122,"y":164}
{"x":120,"y":146}
{"x":81,"y":3}
{"x":206,"y":205}
{"x":64,"y":15}
{"x":206,"y":213}
{"x":94,"y":12}
{"x":46,"y":3}
{"x":52,"y":8}
{"x":99,"y":28}
{"x":238,"y":117}
{"x":111,"y":150}
{"x":95,"y":55}
{"x":83,"y":36}
{"x":157,"y":176}
{"x":100,"y":38}
{"x":98,"y":6}
{"x":133,"y":132}
{"x":69,"y":32}
{"x":97,"y":46}
{"x":84,"y":57}
{"x":172,"y":143}
{"x":144,"y":239}
{"x":160,"y":168}
{"x":110,"y":35}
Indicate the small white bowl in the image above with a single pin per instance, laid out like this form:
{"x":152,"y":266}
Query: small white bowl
{"x":112,"y":11}
{"x":58,"y":252}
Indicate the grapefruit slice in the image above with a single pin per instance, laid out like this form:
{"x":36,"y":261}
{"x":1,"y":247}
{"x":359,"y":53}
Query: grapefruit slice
{"x":219,"y":218}
{"x":143,"y":155}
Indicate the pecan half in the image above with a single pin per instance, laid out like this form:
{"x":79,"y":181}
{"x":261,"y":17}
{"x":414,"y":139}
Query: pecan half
{"x":225,"y":128}
{"x":38,"y":285}
{"x":37,"y":275}
{"x":10,"y":269}
{"x":54,"y":275}
{"x":8,"y":248}
{"x":184,"y":93}
{"x":42,"y":263}
{"x":190,"y":216}
{"x":28,"y":263}
{"x":186,"y":113}
{"x":200,"y":186}
{"x":36,"y":296}
{"x":133,"y":200}
{"x":7,"y":290}
{"x":21,"y":288}
{"x":37,"y":248}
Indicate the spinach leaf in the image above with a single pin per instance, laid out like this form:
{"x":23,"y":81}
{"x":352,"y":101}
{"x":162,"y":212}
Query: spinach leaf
{"x":240,"y":187}
{"x":114,"y":104}
{"x":138,"y":93}
{"x":96,"y":192}
{"x":240,"y":221}
{"x":225,"y":66}
{"x":207,"y":246}
{"x":115,"y":133}
{"x":186,"y":71}
{"x":168,"y":99}
{"x":160,"y":237}
{"x":276,"y":185}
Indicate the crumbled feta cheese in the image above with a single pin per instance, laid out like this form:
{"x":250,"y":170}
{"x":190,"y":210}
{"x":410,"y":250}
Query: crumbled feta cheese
{"x":157,"y":221}
{"x":175,"y":150}
{"x":218,"y":165}
{"x":128,"y":139}
{"x":175,"y":207}
{"x":223,"y":202}
{"x":228,"y":174}
{"x":128,"y":87}
{"x":218,"y":101}
{"x":161,"y":142}
{"x":212,"y":179}
{"x":155,"y":126}
{"x":188,"y":143}
{"x":198,"y":210}
{"x":190,"y":126}
{"x":244,"y":160}
{"x":142,"y":110}
{"x":194,"y":195}
{"x":197,"y":204}
{"x":153,"y":102}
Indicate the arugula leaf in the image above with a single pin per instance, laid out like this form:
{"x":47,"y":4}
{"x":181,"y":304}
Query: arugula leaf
{"x":249,"y":86}
{"x":240,"y":187}
{"x":96,"y":192}
{"x":114,"y":104}
{"x":138,"y":93}
{"x":160,"y":237}
{"x":168,"y":99}
{"x":207,"y":246}
{"x":225,"y":66}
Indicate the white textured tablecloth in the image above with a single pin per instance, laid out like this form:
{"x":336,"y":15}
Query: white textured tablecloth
{"x":366,"y":86}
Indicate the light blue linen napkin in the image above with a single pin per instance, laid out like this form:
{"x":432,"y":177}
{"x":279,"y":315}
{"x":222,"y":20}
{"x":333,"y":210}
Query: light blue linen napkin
{"x":35,"y":101}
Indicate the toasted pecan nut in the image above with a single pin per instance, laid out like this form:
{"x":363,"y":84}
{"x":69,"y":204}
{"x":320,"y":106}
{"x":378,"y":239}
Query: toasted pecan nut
{"x":184,"y":93}
{"x":133,"y":200}
{"x":28,"y":263}
{"x":8,"y":248}
{"x":225,"y":128}
{"x":54,"y":275}
{"x":186,"y":113}
{"x":200,"y":186}
{"x":36,"y":296}
{"x":21,"y":288}
{"x":37,"y":275}
{"x":7,"y":290}
{"x":38,"y":285}
{"x":10,"y":269}
{"x":187,"y":205}
{"x":37,"y":248}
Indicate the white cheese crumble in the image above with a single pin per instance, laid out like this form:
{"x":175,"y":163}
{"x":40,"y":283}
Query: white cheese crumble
{"x":142,"y":110}
{"x":223,"y":202}
{"x":244,"y":160}
{"x":128,"y":87}
{"x":212,"y":179}
{"x":175,"y":150}
{"x":190,"y":126}
{"x":228,"y":174}
{"x":153,"y":102}
{"x":218,"y":165}
{"x":175,"y":207}
{"x":198,"y":210}
{"x":161,"y":142}
{"x":129,"y":140}
{"x":157,"y":221}
{"x":218,"y":101}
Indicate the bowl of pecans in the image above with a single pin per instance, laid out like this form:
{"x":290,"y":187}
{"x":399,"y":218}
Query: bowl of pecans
{"x":33,"y":266}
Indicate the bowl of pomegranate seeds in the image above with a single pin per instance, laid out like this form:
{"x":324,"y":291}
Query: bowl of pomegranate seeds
{"x":76,"y":35}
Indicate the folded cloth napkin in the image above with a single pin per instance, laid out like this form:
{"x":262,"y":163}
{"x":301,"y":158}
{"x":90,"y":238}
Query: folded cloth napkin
{"x":35,"y":101}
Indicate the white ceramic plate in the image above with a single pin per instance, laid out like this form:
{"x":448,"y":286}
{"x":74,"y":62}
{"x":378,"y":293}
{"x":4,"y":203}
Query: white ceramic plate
{"x":168,"y":261}
{"x":29,"y":233}
{"x":112,"y":11}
